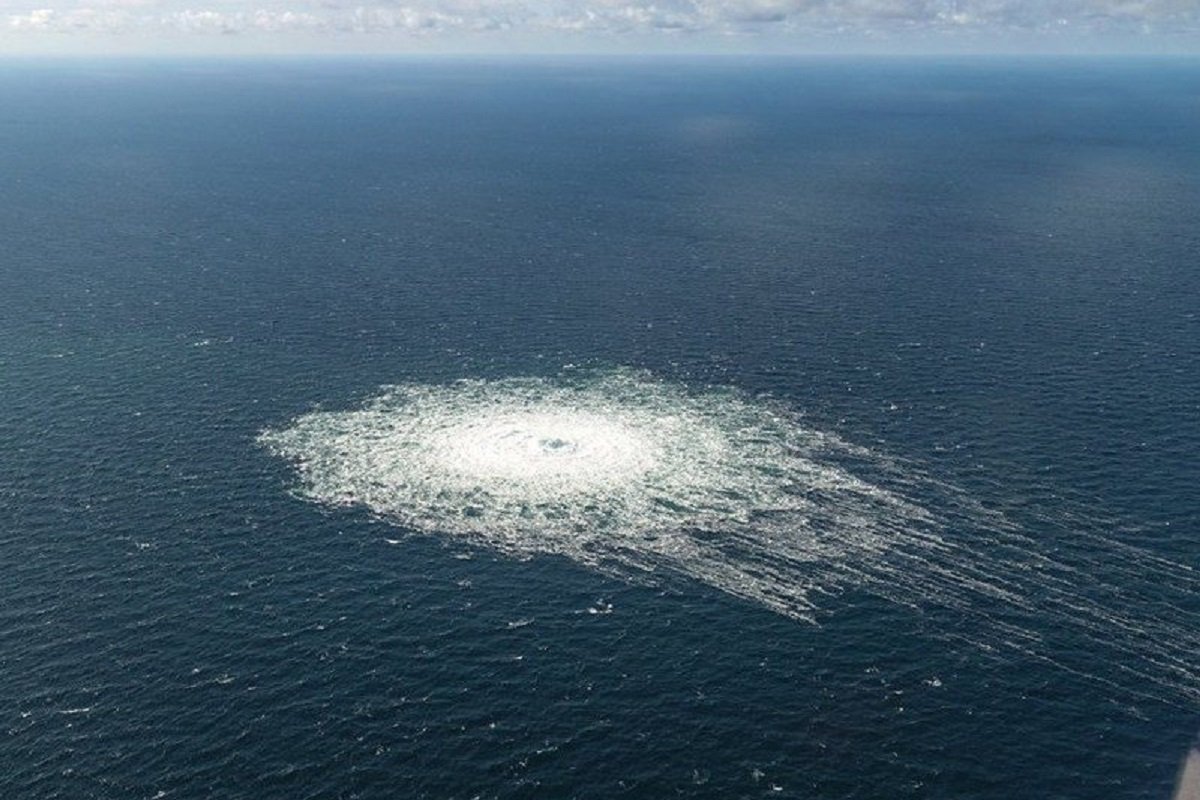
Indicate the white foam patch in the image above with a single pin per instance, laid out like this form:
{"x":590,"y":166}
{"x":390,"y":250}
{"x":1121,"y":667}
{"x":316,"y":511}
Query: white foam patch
{"x":644,"y":479}
{"x":615,"y":470}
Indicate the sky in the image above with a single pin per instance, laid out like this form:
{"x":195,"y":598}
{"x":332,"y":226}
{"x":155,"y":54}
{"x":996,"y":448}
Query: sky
{"x":599,"y":26}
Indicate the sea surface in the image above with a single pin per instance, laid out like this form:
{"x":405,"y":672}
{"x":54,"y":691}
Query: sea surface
{"x":876,"y":386}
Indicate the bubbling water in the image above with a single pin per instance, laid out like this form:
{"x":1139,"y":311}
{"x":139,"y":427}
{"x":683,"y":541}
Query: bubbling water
{"x":545,"y":450}
{"x":646,"y":479}
{"x":616,"y":470}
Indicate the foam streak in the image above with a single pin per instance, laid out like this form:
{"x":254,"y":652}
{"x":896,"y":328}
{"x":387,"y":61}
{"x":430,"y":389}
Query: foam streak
{"x":644,"y":479}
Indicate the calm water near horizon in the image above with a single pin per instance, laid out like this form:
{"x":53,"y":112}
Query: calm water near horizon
{"x":801,"y":429}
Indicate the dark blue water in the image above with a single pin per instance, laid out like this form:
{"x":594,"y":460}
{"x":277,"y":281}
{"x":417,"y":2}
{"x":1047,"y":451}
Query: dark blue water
{"x":986,"y":270}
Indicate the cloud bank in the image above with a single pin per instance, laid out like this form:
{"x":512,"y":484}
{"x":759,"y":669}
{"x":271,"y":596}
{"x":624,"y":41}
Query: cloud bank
{"x":678,"y":24}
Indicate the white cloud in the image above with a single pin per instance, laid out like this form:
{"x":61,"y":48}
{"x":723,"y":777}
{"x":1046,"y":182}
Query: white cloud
{"x":37,"y":19}
{"x":778,"y":19}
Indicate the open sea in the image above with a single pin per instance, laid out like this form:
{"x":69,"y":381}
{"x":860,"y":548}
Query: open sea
{"x":599,"y":429}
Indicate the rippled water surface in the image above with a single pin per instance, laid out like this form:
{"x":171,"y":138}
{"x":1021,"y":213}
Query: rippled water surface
{"x":774,"y":429}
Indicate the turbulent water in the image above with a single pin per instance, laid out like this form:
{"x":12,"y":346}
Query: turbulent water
{"x":636,"y":476}
{"x":617,"y":471}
